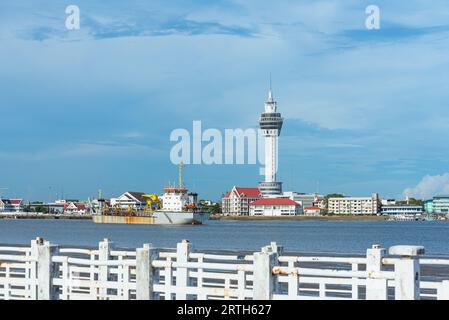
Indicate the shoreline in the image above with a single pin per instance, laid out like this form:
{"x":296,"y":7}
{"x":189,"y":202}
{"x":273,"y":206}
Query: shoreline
{"x":301,"y":218}
{"x":212,"y":217}
{"x":46,"y":216}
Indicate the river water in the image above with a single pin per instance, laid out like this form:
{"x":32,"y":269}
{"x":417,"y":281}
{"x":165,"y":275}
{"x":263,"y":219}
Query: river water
{"x":295,"y":236}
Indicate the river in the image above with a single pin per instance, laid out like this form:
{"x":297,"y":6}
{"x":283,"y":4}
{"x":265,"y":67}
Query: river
{"x":295,"y":236}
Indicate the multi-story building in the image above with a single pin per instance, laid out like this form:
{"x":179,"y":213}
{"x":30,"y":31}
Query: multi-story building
{"x":305,"y":200}
{"x":355,"y":205}
{"x":274,"y":207}
{"x":75,"y":208}
{"x":10,"y":205}
{"x":236,"y":202}
{"x":428,"y":206}
{"x":441,"y":204}
{"x":388,"y":202}
{"x":407,"y":210}
{"x":318,"y":201}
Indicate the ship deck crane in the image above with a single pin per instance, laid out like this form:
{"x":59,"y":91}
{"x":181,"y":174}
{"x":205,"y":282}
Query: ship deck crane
{"x":153,"y":203}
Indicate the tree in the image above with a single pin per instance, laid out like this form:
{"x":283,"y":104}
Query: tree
{"x":215,"y":208}
{"x":41,"y":209}
{"x":411,"y":201}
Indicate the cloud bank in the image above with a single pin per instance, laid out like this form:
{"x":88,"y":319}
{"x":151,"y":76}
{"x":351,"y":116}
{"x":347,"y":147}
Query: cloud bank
{"x":429,"y":186}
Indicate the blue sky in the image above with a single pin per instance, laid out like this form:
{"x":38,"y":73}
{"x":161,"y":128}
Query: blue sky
{"x":365,"y":110}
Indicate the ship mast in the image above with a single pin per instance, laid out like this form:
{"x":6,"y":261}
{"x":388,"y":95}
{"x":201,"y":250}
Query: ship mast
{"x":180,"y":175}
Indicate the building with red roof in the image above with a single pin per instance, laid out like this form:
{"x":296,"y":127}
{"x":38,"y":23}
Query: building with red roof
{"x":236,"y":202}
{"x":10,"y":205}
{"x":274,"y":207}
{"x":312,"y":211}
{"x":72,"y":207}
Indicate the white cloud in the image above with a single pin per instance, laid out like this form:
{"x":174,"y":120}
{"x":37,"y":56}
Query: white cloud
{"x":429,"y":186}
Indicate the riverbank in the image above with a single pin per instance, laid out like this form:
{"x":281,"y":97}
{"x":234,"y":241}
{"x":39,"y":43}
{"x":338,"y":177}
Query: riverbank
{"x":302,"y":218}
{"x":46,"y":216}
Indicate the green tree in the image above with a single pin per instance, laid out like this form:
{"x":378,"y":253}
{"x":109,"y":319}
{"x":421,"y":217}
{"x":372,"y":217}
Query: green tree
{"x":215,"y":208}
{"x":41,"y":209}
{"x":411,"y":201}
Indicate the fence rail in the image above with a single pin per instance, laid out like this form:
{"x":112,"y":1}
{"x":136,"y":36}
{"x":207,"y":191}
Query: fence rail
{"x":45,"y":271}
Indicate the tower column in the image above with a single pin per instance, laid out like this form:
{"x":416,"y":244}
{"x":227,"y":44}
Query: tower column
{"x":271,"y":125}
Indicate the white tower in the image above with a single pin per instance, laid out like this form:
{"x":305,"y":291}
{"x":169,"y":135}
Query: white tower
{"x":271,"y":125}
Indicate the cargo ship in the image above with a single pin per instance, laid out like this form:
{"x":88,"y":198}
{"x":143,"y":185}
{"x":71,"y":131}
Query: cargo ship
{"x":175,"y":207}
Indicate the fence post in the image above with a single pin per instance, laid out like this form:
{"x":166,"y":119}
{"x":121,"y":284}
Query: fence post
{"x":376,"y":283}
{"x":145,"y":272}
{"x":443,"y":290}
{"x":407,"y":272}
{"x":104,"y":253}
{"x":182,"y":256}
{"x":264,"y":283}
{"x":46,"y":269}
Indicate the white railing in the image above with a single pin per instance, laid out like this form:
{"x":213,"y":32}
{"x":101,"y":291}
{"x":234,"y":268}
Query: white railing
{"x":46,"y":271}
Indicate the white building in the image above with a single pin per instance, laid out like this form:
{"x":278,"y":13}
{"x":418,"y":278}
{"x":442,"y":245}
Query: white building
{"x":388,"y":202}
{"x":304,"y":199}
{"x":11,"y":205}
{"x":134,"y":200}
{"x":406,"y":210}
{"x":355,"y":205}
{"x":274,"y":207}
{"x":236,"y":202}
{"x":271,"y":124}
{"x":75,"y":208}
{"x":313,"y":211}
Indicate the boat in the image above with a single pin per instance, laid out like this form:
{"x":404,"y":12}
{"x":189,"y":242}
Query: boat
{"x":402,"y":217}
{"x":175,"y":207}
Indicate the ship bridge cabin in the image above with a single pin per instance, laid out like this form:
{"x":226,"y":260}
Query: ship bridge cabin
{"x":177,"y":199}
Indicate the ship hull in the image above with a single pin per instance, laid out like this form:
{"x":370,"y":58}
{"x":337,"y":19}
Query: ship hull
{"x":157,"y":218}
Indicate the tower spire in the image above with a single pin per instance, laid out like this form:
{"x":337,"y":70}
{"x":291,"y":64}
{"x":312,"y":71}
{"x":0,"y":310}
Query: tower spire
{"x":270,"y":93}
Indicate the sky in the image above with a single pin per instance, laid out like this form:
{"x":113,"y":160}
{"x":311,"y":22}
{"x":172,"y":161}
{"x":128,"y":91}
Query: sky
{"x":364,"y":110}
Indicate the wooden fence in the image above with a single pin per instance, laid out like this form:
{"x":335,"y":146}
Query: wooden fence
{"x":44,"y":271}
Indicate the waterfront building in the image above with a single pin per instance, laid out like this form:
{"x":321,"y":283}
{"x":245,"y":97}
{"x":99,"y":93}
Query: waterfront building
{"x":274,"y":207}
{"x":428,"y":206}
{"x":10,"y":205}
{"x":271,"y":124}
{"x":404,"y":210}
{"x":75,"y":208}
{"x":318,"y":201}
{"x":236,"y":202}
{"x":355,"y":205}
{"x":313,"y":211}
{"x":388,"y":202}
{"x":441,"y":204}
{"x":134,"y":200}
{"x":304,"y":199}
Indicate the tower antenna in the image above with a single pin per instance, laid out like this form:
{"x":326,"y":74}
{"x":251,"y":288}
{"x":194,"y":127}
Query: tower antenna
{"x":270,"y":93}
{"x":270,"y":81}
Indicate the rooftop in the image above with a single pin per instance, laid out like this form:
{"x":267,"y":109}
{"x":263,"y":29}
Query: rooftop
{"x":246,"y":192}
